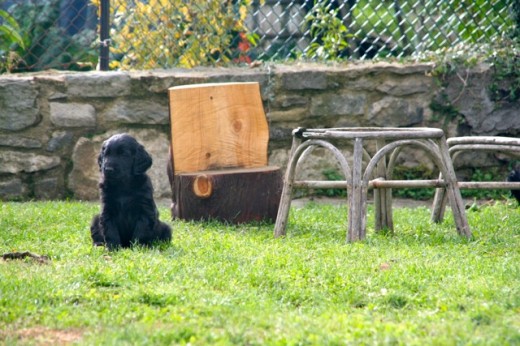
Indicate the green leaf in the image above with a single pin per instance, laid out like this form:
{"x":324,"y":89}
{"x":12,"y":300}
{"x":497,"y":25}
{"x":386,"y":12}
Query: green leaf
{"x":10,"y":33}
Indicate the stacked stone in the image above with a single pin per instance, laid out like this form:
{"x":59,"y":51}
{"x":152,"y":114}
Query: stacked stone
{"x":52,"y":124}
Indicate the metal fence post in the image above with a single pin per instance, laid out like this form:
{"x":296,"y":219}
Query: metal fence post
{"x":104,"y":35}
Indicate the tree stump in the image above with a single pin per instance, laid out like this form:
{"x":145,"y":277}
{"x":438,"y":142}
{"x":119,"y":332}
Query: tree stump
{"x":219,"y":154}
{"x":231,"y":195}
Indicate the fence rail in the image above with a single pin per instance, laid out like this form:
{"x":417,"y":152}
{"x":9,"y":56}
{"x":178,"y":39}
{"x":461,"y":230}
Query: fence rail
{"x":144,"y":34}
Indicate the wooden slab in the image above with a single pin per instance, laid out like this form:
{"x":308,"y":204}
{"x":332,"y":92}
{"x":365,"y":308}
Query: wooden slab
{"x":217,"y":126}
{"x":231,"y":195}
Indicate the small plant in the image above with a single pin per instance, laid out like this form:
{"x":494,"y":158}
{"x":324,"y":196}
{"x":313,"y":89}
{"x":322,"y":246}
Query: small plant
{"x":328,"y":33}
{"x":506,"y":66}
{"x":332,"y":175}
{"x":444,"y":111}
{"x":411,"y":173}
{"x":488,"y":175}
{"x":12,"y":42}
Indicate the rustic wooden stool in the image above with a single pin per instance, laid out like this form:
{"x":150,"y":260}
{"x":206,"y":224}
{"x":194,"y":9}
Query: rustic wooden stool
{"x":457,"y":145}
{"x":219,"y":138}
{"x":389,"y":141}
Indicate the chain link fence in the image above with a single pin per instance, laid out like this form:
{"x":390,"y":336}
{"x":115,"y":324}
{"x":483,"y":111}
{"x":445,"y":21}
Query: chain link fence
{"x":364,"y":29}
{"x":146,"y":34}
{"x":47,"y":34}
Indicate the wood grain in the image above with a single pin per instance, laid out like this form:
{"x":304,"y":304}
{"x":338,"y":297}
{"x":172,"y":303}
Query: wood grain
{"x":218,"y":126}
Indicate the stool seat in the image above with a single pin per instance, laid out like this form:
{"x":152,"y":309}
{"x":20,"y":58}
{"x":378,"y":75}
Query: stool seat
{"x":371,"y":132}
{"x":377,"y":173}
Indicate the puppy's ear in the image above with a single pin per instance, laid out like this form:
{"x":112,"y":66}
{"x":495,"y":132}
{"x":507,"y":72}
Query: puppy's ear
{"x":100,"y":156}
{"x":142,"y":160}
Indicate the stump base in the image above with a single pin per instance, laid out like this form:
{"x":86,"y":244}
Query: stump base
{"x":228,"y":195}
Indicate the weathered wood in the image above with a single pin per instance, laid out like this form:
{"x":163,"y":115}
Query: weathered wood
{"x":486,"y":147}
{"x":229,"y":195}
{"x":224,"y":125}
{"x":454,"y":196}
{"x":410,"y":184}
{"x":299,"y":152}
{"x":431,"y":140}
{"x":489,"y":185}
{"x":382,"y":196}
{"x":356,"y":198}
{"x":388,"y":133}
{"x":440,"y":199}
{"x":503,"y":141}
{"x":280,"y":226}
{"x":457,"y":145}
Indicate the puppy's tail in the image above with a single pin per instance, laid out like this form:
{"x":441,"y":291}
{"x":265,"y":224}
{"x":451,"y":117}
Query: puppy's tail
{"x":514,"y":176}
{"x":165,"y":232}
{"x":98,"y":239}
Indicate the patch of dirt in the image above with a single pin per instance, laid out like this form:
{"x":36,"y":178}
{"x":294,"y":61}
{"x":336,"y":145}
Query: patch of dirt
{"x":25,"y":255}
{"x":48,"y":337}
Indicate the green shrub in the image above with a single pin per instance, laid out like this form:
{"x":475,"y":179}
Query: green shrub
{"x":166,"y":33}
{"x":488,"y":175}
{"x":46,"y":45}
{"x":328,"y":33}
{"x":410,"y":173}
{"x":515,"y":16}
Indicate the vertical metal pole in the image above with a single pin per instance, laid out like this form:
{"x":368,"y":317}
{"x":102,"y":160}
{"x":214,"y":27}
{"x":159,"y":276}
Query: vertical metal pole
{"x":104,"y":35}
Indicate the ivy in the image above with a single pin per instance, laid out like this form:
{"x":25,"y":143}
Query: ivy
{"x":506,"y":76}
{"x":445,"y":111}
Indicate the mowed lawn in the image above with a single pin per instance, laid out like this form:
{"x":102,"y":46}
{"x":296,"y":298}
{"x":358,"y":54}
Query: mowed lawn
{"x":219,"y":284}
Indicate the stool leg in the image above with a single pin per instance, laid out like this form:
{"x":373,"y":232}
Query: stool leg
{"x":286,"y":198}
{"x":356,"y":214}
{"x":439,"y":204}
{"x":452,"y":189}
{"x":382,"y":197}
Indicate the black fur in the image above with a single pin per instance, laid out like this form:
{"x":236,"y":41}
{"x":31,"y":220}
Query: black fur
{"x":128,"y":211}
{"x":515,"y":176}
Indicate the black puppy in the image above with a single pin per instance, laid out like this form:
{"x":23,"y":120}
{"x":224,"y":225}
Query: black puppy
{"x":515,"y":176}
{"x":128,"y":212}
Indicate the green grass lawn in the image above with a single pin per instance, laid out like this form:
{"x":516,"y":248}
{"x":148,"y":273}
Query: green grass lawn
{"x":222,"y":284}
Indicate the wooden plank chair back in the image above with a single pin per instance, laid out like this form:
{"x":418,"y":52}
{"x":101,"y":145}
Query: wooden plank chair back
{"x":219,"y":142}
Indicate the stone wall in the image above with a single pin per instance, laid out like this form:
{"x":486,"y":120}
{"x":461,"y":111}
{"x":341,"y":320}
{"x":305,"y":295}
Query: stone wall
{"x":52,"y":124}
